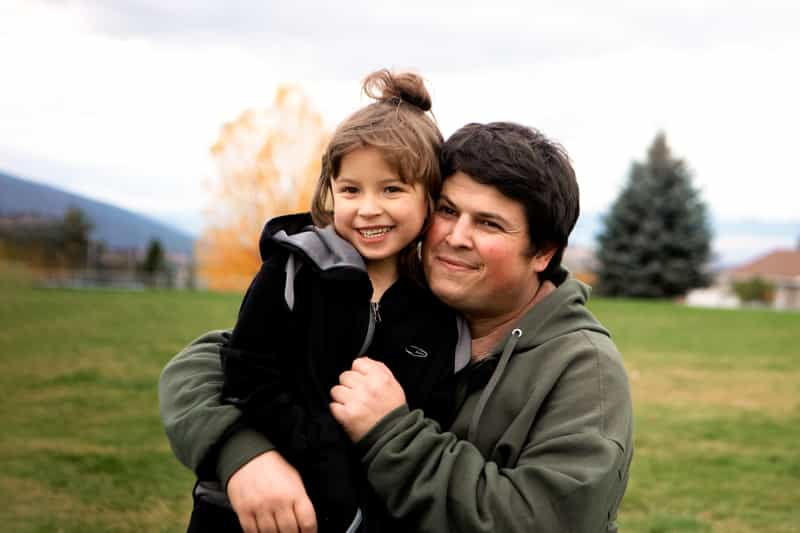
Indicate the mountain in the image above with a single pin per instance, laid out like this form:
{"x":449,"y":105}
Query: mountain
{"x":118,"y":227}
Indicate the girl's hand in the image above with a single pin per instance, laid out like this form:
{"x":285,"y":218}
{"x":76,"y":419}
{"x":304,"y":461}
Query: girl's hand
{"x":268,"y":496}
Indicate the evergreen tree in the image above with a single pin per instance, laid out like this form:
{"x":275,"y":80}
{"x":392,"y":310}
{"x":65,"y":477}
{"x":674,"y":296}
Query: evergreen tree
{"x":656,"y":239}
{"x":155,"y":262}
{"x":75,"y":229}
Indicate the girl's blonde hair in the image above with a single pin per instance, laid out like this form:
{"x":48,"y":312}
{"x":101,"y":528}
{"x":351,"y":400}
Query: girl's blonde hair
{"x":399,"y":125}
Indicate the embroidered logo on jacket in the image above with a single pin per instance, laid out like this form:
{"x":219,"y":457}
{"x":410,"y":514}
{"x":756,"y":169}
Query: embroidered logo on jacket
{"x":416,"y":351}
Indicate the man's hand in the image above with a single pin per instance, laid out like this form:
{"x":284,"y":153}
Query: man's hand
{"x":268,"y":496}
{"x":365,"y":394}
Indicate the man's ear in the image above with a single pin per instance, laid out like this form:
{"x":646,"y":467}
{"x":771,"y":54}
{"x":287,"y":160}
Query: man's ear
{"x":542,"y":258}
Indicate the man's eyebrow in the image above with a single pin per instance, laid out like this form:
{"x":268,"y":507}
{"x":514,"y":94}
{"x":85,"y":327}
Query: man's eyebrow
{"x":482,"y":215}
{"x":493,"y":217}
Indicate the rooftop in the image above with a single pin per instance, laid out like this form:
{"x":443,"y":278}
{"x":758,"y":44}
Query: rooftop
{"x":775,"y":264}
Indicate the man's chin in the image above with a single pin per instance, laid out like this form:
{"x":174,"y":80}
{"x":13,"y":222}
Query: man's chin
{"x":447,"y":290}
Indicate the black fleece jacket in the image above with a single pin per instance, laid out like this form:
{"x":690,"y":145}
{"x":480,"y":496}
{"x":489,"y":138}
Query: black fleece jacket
{"x":305,"y":317}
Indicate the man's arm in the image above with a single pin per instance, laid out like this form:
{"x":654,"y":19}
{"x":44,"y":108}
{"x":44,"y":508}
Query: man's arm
{"x":566,"y":480}
{"x":202,"y":431}
{"x":437,"y":481}
{"x":265,"y":491}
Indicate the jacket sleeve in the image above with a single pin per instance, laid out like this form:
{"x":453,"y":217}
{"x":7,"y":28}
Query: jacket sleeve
{"x":205,"y":434}
{"x":566,"y":478}
{"x":253,"y":358}
{"x":259,"y":362}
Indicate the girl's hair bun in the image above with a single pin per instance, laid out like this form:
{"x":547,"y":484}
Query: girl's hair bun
{"x":385,"y":86}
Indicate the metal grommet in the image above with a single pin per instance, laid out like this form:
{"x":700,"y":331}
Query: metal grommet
{"x":517,"y":332}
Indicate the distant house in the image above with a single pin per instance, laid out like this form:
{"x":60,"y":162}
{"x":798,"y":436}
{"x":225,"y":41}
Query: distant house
{"x":717,"y":295}
{"x":781,"y":268}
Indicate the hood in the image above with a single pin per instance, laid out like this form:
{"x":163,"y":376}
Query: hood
{"x":563,"y":311}
{"x":320,"y":248}
{"x":323,"y":248}
{"x":560,"y":313}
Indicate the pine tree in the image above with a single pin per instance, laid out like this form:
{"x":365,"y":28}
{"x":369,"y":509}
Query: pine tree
{"x":656,"y":239}
{"x":75,"y":228}
{"x":155,"y":268}
{"x":155,"y":261}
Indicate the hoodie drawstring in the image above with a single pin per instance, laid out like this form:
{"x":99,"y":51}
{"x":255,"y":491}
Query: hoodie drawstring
{"x":493,"y":381}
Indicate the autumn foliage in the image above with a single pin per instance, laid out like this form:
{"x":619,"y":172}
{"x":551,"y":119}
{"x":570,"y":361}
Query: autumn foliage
{"x":268,"y":162}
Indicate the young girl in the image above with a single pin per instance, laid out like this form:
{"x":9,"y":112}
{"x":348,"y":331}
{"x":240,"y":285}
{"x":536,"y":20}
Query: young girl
{"x":341,"y":282}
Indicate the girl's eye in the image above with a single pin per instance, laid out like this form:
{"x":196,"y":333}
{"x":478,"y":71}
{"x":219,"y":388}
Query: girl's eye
{"x":391,"y":189}
{"x":348,"y":190}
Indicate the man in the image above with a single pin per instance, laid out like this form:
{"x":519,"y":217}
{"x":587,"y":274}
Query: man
{"x":542,"y":434}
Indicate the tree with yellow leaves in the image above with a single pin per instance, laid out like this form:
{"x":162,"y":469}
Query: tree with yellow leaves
{"x":268,"y":162}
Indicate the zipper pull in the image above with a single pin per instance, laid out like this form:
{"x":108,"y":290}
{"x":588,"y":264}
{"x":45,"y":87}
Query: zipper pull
{"x":376,"y":312}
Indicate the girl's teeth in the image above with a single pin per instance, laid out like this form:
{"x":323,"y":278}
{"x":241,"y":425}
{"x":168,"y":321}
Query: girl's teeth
{"x":374,"y":232}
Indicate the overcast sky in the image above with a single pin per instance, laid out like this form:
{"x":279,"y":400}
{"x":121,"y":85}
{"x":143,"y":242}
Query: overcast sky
{"x":120,"y":100}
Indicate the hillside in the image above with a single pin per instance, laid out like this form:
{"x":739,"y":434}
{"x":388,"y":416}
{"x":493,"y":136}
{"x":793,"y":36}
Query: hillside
{"x":118,"y":227}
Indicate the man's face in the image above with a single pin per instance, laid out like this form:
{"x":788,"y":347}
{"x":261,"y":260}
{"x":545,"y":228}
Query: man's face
{"x":476,"y":252}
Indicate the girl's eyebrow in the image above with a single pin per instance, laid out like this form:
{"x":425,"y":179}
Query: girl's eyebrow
{"x":379,"y":181}
{"x":390,"y":180}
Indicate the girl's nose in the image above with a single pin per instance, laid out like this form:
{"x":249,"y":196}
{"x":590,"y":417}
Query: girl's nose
{"x":369,"y":206}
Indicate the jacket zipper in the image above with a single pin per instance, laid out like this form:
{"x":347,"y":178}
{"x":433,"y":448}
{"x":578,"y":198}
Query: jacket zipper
{"x":374,"y":318}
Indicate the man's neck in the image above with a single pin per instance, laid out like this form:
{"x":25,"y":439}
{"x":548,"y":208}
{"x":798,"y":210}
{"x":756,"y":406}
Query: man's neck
{"x":487,"y":332}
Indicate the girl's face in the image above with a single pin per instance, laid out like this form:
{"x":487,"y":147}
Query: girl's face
{"x":373,"y":209}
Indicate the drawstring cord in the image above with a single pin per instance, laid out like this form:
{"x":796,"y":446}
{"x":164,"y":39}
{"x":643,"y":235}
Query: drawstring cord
{"x":493,"y":381}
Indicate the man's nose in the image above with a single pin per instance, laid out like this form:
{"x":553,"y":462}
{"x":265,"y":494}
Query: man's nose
{"x":460,"y":234}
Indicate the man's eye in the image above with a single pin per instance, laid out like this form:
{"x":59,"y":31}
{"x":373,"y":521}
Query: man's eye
{"x":446,"y":210}
{"x":490,"y":224}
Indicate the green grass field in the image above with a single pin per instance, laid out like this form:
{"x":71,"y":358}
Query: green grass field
{"x":717,"y":400}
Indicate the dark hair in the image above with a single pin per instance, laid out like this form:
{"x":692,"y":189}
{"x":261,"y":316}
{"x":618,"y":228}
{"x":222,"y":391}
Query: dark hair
{"x":399,"y":126}
{"x":527,"y":167}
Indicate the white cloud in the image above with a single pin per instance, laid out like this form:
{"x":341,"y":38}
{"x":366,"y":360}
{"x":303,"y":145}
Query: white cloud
{"x":126,"y":97}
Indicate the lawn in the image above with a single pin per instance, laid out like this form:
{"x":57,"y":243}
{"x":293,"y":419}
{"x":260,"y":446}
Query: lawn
{"x":717,"y":405}
{"x":717,"y":400}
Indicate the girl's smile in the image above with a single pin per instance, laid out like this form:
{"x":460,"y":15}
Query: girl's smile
{"x":374,"y":209}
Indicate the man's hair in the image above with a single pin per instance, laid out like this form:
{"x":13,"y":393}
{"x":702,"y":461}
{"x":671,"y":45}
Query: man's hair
{"x":398,"y":124}
{"x":525,"y":166}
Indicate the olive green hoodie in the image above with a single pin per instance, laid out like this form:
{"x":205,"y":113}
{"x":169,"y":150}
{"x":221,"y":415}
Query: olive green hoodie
{"x":542,"y":440}
{"x":544,"y":445}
